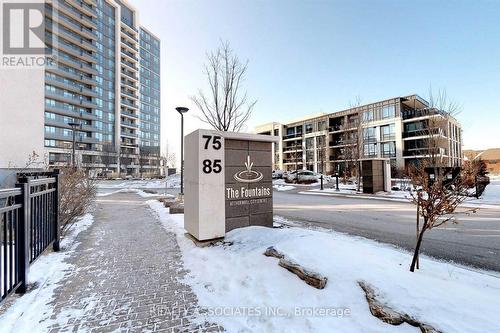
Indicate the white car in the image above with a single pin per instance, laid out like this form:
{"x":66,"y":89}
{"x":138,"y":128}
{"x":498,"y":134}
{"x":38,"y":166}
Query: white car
{"x":303,"y":175}
{"x":277,"y":174}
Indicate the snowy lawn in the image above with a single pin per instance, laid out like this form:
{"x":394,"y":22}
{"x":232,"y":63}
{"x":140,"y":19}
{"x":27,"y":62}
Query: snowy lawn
{"x":27,"y":312}
{"x":141,"y":193}
{"x":284,"y":183}
{"x":173,"y":181}
{"x":245,"y":284}
{"x":281,"y":188}
{"x":490,"y":197}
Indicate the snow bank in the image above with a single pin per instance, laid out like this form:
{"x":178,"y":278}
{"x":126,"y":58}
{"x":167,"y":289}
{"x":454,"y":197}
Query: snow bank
{"x":141,"y":193}
{"x":281,"y":188}
{"x":173,"y":181}
{"x":449,"y":297}
{"x":30,"y":312}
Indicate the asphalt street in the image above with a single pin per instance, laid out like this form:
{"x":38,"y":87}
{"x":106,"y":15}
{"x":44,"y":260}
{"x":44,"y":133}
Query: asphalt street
{"x":474,"y":241}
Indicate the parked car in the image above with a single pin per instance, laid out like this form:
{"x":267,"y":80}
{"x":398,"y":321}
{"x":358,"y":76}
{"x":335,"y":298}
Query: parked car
{"x":277,"y":174}
{"x":303,"y":175}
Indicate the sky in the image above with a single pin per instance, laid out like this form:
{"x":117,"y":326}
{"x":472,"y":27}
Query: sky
{"x":307,"y":57}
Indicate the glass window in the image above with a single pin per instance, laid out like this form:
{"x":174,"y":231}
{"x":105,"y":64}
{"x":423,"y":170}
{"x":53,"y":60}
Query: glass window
{"x":389,"y":149}
{"x":370,"y":149}
{"x":369,"y":133}
{"x":321,"y":125}
{"x":309,"y":143}
{"x":368,"y":116}
{"x":309,"y":128}
{"x":387,"y":132}
{"x":388,"y":111}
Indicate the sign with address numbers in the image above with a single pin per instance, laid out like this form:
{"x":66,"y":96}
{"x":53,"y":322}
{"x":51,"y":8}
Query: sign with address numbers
{"x":228,"y":182}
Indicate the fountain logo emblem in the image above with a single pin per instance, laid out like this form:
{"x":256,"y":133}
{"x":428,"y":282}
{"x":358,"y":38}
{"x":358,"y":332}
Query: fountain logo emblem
{"x":248,"y":175}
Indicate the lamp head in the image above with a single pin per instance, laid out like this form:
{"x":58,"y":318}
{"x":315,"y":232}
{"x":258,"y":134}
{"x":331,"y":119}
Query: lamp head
{"x":182,"y":109}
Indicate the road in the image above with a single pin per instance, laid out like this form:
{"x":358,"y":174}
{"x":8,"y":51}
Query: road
{"x":475,"y":241}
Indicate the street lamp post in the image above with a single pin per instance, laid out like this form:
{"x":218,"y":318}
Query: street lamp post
{"x":181,"y":111}
{"x":73,"y":125}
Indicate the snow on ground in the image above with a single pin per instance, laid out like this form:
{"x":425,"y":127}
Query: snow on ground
{"x":27,"y":312}
{"x":238,"y":284}
{"x":173,"y":181}
{"x":141,"y":193}
{"x":491,"y":195}
{"x":283,"y":182}
{"x":281,"y":188}
{"x":489,"y":199}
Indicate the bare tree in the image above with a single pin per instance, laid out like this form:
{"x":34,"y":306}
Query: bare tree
{"x":169,"y":158}
{"x":435,"y":126}
{"x":226,"y":107}
{"x":354,"y":143}
{"x":437,"y":199}
{"x":438,"y":190}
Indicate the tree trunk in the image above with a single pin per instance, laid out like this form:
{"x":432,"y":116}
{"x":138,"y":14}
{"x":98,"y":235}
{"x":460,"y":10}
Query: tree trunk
{"x":358,"y":171}
{"x":417,"y":247}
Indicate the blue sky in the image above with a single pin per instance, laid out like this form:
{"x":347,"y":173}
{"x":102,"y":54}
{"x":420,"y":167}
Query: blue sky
{"x":316,"y":56}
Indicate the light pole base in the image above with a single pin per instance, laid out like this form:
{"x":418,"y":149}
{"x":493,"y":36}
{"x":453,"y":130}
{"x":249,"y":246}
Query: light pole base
{"x":180,"y":197}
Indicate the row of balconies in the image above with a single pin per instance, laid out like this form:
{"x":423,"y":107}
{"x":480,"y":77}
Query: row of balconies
{"x":69,"y":85}
{"x":71,"y":23}
{"x":82,"y":13}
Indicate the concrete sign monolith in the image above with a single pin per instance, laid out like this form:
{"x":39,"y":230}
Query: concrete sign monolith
{"x":228,"y":182}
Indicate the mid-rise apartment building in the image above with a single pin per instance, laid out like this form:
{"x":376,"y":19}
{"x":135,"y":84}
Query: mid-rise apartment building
{"x":104,"y":86}
{"x":396,"y":128}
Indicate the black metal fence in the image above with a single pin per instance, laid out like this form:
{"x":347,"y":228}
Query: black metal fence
{"x":29,"y":224}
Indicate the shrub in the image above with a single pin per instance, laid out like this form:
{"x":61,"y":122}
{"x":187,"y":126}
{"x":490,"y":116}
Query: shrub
{"x":77,"y":193}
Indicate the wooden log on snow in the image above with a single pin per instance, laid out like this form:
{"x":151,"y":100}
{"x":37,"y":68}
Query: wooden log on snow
{"x":311,"y":278}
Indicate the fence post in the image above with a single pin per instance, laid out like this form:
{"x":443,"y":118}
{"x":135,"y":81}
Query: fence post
{"x":57,"y":226}
{"x":23,"y":234}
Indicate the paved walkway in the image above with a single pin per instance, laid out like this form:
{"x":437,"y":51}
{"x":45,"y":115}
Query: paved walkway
{"x":127,"y":276}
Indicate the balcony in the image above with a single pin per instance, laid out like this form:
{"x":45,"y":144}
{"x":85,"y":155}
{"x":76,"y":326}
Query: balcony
{"x":80,"y":65}
{"x":129,"y":114}
{"x":389,"y":137}
{"x":130,"y":65}
{"x":129,"y":74}
{"x":369,"y":139}
{"x":129,"y":124}
{"x":87,"y":9}
{"x":76,"y":14}
{"x":73,"y":24}
{"x":65,"y":110}
{"x":129,"y":54}
{"x":292,"y":136}
{"x":130,"y":45}
{"x":129,"y":104}
{"x":411,"y":113}
{"x":130,"y":35}
{"x":132,"y":95}
{"x":423,"y":132}
{"x":70,"y":85}
{"x":129,"y":134}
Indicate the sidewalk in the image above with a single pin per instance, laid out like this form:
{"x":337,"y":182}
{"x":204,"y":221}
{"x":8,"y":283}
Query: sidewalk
{"x":126,"y":276}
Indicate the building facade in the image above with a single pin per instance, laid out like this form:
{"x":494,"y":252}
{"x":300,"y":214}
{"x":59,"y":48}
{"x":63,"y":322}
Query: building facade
{"x":490,"y":156}
{"x":396,"y":128}
{"x":149,"y":127}
{"x":104,"y":88}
